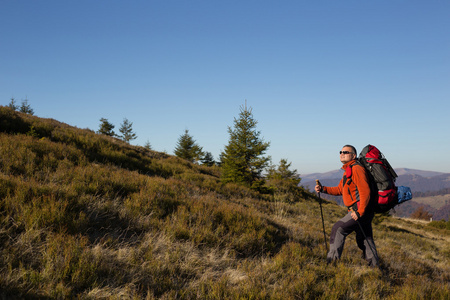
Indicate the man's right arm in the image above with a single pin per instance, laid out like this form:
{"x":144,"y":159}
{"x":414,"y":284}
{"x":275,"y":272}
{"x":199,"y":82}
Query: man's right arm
{"x":333,"y":190}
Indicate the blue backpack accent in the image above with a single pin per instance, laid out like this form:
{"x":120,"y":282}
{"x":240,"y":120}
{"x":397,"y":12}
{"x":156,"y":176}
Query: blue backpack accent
{"x":404,"y":194}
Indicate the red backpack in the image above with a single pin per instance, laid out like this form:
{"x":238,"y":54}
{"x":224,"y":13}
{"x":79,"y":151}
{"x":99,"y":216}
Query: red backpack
{"x":381,"y":178}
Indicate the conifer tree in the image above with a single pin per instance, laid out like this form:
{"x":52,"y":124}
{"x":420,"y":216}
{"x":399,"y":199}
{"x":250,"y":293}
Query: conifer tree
{"x":106,"y":128}
{"x":147,"y":145}
{"x":126,"y":128}
{"x":187,"y":148}
{"x":13,"y":104}
{"x":26,"y":108}
{"x":283,"y":182}
{"x":283,"y":172}
{"x":208,"y":159}
{"x":242,"y":160}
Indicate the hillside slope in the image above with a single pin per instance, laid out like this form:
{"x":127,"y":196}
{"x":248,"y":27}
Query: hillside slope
{"x":89,"y":216}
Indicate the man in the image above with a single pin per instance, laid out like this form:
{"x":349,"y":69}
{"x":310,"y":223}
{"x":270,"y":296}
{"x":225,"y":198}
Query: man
{"x":355,"y":191}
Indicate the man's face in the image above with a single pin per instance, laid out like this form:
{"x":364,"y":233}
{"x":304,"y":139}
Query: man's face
{"x":347,"y":155}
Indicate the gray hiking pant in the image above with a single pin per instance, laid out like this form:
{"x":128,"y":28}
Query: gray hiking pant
{"x":344,"y":227}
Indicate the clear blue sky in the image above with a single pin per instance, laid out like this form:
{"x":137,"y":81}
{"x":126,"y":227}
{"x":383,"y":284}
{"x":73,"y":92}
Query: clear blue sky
{"x":317,"y":74}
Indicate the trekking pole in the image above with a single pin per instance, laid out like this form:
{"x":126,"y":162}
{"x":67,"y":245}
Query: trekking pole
{"x":323,"y":223}
{"x":365,"y":237}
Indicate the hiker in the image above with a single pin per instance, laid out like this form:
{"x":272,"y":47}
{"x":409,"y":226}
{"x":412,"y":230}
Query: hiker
{"x":355,"y":191}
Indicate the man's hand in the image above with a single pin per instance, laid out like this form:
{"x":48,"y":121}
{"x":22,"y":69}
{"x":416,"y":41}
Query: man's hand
{"x":354,"y":215}
{"x":318,"y":186}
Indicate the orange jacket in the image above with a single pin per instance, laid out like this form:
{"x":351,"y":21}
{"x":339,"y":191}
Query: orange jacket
{"x":356,"y":189}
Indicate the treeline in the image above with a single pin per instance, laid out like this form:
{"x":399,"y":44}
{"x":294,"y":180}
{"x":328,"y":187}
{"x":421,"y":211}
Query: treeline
{"x":126,"y":130}
{"x":243,"y":160}
{"x":106,"y":128}
{"x":24,"y":107}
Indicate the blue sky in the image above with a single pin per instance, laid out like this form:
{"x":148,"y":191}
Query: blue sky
{"x":317,"y":74}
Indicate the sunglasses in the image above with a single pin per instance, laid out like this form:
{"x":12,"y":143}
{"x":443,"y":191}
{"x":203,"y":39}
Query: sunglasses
{"x":345,"y":152}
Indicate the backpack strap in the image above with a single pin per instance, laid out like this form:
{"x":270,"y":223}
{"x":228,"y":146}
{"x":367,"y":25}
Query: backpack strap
{"x":348,"y":174}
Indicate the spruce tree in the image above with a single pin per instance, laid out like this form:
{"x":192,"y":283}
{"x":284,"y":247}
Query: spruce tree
{"x":147,"y":145}
{"x":283,"y":173}
{"x":242,"y":160}
{"x":187,"y":148}
{"x":126,"y":128}
{"x":208,"y":159}
{"x":26,"y":108}
{"x":13,"y":105}
{"x":106,"y":128}
{"x":283,"y":182}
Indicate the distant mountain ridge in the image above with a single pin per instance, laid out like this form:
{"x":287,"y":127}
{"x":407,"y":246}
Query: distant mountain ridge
{"x":427,"y":174}
{"x":328,"y":175}
{"x":400,"y":171}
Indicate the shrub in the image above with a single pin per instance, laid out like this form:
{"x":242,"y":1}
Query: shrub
{"x":421,"y":214}
{"x":442,"y":224}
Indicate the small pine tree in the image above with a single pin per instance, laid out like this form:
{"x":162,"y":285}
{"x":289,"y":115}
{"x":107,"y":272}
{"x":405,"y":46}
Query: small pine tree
{"x":13,"y":104}
{"x":26,"y":108}
{"x":126,"y":128}
{"x":242,"y":160}
{"x":284,"y":182}
{"x":106,"y":128}
{"x":147,"y":145}
{"x":208,"y":159}
{"x":187,"y":148}
{"x":32,"y":132}
{"x":282,"y":172}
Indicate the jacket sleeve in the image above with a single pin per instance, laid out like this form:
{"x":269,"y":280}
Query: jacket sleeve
{"x":335,"y":190}
{"x":360,"y":179}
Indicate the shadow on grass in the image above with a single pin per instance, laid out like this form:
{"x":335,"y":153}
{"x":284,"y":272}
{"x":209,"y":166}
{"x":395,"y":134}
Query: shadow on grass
{"x":401,"y":230}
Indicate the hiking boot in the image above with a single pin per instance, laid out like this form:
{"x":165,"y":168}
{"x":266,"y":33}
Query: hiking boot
{"x":331,"y":261}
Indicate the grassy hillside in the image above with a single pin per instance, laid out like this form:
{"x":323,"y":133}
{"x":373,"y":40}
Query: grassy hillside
{"x":90,"y":217}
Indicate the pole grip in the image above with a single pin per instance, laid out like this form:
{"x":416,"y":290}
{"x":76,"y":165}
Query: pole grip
{"x":319,"y":184}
